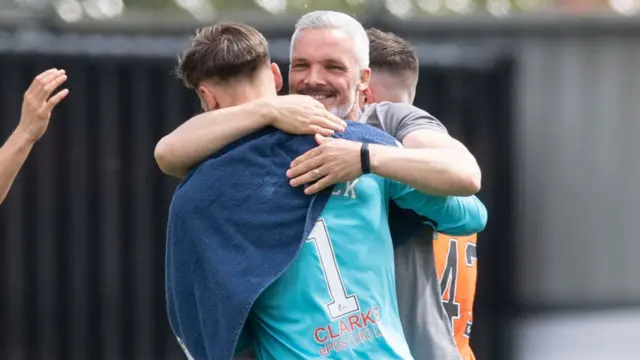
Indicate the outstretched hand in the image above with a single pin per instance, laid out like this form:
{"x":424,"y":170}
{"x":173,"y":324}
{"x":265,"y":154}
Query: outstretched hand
{"x":38,"y":103}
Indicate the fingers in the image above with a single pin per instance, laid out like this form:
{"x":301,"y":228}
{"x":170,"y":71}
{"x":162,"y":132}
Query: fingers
{"x":43,"y":75}
{"x":304,"y":157}
{"x":55,"y":80}
{"x":326,"y":127}
{"x":331,"y":121}
{"x":55,"y":100}
{"x":324,"y":114}
{"x":44,"y":84}
{"x":320,"y":185}
{"x":334,"y":124}
{"x":50,"y":83}
{"x":305,"y":173}
{"x":336,"y":120}
{"x":320,"y":130}
{"x":314,"y":103}
{"x":38,"y":82}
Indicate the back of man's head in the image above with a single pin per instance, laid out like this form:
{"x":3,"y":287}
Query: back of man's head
{"x":223,"y":52}
{"x":394,"y":67}
{"x":391,"y":53}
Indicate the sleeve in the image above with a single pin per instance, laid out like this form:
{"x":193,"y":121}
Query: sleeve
{"x":451,"y":215}
{"x":399,"y":119}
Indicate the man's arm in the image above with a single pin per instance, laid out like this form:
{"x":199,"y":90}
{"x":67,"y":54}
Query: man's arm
{"x":207,"y":133}
{"x":12,"y":156}
{"x":439,"y":171}
{"x":36,"y":113}
{"x":453,"y":215}
{"x":338,"y":160}
{"x":432,"y":162}
{"x":446,"y":165}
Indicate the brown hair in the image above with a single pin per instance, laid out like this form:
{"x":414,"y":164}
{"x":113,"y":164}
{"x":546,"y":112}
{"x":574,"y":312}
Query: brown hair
{"x":391,"y":53}
{"x":222,"y":52}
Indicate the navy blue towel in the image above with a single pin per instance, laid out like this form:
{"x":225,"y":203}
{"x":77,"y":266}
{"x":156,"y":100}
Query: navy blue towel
{"x":234,"y":226}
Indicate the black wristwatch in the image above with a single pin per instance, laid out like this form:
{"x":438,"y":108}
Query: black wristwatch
{"x":365,"y":162}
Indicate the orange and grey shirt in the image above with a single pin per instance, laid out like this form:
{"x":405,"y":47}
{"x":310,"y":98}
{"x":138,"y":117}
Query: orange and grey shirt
{"x":456,"y":264}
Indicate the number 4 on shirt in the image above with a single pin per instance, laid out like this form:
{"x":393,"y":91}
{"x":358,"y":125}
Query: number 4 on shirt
{"x":449,"y":280}
{"x":341,"y":304}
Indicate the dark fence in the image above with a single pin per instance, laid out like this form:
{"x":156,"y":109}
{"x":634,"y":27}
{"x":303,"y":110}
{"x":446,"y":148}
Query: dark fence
{"x":83,"y":229}
{"x":84,"y":225}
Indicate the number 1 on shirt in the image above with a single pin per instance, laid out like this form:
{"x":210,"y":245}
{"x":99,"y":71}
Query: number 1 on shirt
{"x":341,"y":303}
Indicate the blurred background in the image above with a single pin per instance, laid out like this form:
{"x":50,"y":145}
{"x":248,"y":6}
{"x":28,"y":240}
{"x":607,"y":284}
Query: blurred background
{"x":544,"y":92}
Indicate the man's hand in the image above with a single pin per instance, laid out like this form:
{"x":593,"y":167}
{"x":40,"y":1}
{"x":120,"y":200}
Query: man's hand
{"x":331,"y":162}
{"x":37,"y":104}
{"x":302,"y":115}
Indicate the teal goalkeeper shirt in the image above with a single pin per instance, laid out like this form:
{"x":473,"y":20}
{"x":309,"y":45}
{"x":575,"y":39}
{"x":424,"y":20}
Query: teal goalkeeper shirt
{"x":337,"y":300}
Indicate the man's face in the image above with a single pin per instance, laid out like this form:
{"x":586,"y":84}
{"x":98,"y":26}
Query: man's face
{"x":323,"y":65}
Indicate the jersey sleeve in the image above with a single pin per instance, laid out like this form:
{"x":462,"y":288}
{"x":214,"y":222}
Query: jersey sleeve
{"x":399,"y":119}
{"x":452,"y":215}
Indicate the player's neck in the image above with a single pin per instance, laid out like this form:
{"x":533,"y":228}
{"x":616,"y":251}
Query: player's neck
{"x":244,"y":94}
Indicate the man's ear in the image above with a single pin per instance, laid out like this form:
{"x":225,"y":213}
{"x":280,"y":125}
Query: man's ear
{"x":277,"y":76}
{"x":207,"y":98}
{"x":368,"y":96}
{"x":365,"y":78}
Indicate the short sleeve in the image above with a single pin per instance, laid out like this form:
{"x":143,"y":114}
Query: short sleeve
{"x":399,"y":120}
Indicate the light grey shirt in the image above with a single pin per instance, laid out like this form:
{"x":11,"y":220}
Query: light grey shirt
{"x":424,"y":320}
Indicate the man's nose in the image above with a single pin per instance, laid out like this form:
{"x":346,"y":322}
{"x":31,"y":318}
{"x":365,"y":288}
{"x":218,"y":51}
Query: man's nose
{"x":314,"y":77}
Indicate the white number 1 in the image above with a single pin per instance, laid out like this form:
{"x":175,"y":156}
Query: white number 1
{"x":341,"y":303}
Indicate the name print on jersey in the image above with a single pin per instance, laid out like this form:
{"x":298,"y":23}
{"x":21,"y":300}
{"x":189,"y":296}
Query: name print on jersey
{"x":348,"y":332}
{"x":351,"y":326}
{"x":347,"y":189}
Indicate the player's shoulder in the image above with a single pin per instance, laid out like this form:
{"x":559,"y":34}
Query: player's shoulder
{"x":391,"y":110}
{"x":365,"y":132}
{"x":400,"y":119}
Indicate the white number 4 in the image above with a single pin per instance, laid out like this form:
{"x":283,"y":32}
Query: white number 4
{"x":341,"y":303}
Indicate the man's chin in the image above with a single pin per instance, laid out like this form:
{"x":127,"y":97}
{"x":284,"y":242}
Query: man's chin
{"x":339,"y":112}
{"x":328,"y":104}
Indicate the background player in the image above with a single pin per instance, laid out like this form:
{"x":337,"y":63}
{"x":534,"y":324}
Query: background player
{"x":36,"y":112}
{"x":342,"y":280}
{"x":394,"y":76}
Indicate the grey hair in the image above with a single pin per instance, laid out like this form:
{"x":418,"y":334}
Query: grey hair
{"x":338,"y":21}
